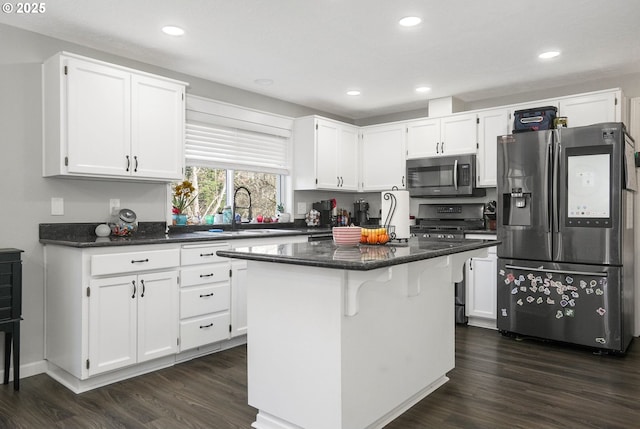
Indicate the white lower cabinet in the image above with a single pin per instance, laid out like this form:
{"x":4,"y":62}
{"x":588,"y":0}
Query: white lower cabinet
{"x":116,"y":312}
{"x":132,"y":319}
{"x":481,"y":278}
{"x":238,"y":298}
{"x":109,"y":308}
{"x":205,"y":295}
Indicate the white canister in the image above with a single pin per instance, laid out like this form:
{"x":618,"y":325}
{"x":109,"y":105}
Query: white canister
{"x":103,"y":230}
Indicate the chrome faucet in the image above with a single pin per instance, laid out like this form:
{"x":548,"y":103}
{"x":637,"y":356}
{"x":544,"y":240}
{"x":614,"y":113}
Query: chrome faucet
{"x":233,"y":214}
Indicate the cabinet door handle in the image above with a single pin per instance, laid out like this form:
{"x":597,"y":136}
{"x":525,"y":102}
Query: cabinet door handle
{"x":341,"y":181}
{"x":143,"y":288}
{"x":207,"y":254}
{"x":206,"y":275}
{"x":135,"y":168}
{"x":437,"y":151}
{"x":442,"y":147}
{"x":128,"y":163}
{"x":403,"y":185}
{"x":206,"y":326}
{"x":133,"y":282}
{"x":136,"y":261}
{"x":206,"y":295}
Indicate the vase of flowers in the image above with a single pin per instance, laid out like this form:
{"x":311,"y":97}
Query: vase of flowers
{"x":183,"y":195}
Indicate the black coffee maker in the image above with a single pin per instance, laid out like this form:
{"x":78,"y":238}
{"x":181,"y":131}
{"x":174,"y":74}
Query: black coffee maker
{"x":324,"y":207}
{"x":360,"y":212}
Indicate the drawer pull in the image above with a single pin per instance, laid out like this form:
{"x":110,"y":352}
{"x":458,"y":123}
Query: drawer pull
{"x":134,"y":261}
{"x":206,"y":326}
{"x":207,"y":254}
{"x":207,"y":275}
{"x":206,"y":295}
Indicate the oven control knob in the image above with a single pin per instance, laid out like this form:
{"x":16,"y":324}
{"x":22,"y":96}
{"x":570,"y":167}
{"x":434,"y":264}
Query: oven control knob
{"x":440,"y":235}
{"x":450,"y":236}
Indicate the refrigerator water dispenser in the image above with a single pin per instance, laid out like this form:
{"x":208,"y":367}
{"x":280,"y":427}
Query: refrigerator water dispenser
{"x":516,"y":208}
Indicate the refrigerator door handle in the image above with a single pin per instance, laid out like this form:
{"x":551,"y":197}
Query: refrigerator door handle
{"x":455,"y":174}
{"x":541,"y":270}
{"x":556,"y":191}
{"x":547,"y":185}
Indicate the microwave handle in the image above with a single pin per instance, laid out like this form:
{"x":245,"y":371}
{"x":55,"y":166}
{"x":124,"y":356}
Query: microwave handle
{"x":455,"y":174}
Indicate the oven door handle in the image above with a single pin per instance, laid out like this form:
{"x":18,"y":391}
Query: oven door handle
{"x":455,"y":174}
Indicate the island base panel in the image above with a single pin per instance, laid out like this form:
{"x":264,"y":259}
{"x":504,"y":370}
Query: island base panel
{"x":313,"y":364}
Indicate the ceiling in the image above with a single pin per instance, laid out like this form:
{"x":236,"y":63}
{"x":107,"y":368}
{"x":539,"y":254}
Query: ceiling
{"x":316,"y":50}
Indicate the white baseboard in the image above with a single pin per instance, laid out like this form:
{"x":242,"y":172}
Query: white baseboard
{"x":27,"y":370}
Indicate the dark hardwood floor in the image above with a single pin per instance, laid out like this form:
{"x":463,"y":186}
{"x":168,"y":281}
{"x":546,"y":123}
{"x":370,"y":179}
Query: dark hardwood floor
{"x":498,"y":383}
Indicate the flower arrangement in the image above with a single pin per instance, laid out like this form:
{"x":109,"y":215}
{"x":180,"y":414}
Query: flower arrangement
{"x":183,"y":195}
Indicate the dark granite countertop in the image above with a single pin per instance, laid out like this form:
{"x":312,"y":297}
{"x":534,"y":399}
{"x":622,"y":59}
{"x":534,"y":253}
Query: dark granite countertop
{"x":83,"y":235}
{"x":362,"y":257}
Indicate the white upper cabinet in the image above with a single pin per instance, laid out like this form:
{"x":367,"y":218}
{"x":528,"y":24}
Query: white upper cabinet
{"x":491,"y":124}
{"x":591,"y":108}
{"x":325,"y":154}
{"x":459,"y":134}
{"x":423,"y":138}
{"x":157,"y":128}
{"x":451,"y":135}
{"x":383,"y":157}
{"x":348,"y":159}
{"x":98,"y":121}
{"x":102,"y":120}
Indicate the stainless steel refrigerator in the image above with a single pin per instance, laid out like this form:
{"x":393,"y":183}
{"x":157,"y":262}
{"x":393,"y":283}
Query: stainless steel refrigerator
{"x":565,"y":219}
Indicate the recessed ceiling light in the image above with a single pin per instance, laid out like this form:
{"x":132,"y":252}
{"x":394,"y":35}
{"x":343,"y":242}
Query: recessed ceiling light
{"x":423,"y":89}
{"x":353,"y":92}
{"x":172,"y":30}
{"x":410,"y":21}
{"x":548,"y":54}
{"x":264,"y":82}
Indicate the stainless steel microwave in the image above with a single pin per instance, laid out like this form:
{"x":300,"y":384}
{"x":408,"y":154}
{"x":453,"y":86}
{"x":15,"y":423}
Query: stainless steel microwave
{"x":450,"y":176}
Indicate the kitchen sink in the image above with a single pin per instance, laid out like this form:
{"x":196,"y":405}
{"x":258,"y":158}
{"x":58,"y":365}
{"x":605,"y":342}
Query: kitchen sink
{"x":256,"y":231}
{"x":215,"y":233}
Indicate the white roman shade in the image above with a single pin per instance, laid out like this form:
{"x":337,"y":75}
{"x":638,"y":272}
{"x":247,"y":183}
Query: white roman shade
{"x":225,"y":136}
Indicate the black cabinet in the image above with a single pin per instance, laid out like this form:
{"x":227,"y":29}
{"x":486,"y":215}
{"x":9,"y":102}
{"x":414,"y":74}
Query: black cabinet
{"x":11,"y":310}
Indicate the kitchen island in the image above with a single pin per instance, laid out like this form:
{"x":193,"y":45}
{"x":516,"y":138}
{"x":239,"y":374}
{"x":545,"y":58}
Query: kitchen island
{"x":349,"y":337}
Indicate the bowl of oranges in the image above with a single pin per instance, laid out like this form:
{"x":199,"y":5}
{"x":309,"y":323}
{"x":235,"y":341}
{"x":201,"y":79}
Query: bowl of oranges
{"x":376,"y":234}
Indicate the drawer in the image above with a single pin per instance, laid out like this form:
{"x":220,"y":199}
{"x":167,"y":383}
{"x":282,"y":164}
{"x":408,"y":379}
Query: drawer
{"x":204,"y":274}
{"x":199,"y":300}
{"x":134,"y":261}
{"x":192,"y":254}
{"x":204,"y":330}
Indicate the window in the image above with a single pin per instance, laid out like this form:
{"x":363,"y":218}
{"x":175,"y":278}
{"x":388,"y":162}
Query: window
{"x":228,"y":146}
{"x":215,"y":189}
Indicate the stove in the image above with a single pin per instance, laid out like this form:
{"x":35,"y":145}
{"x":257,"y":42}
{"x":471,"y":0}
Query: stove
{"x":448,"y":221}
{"x":443,"y":222}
